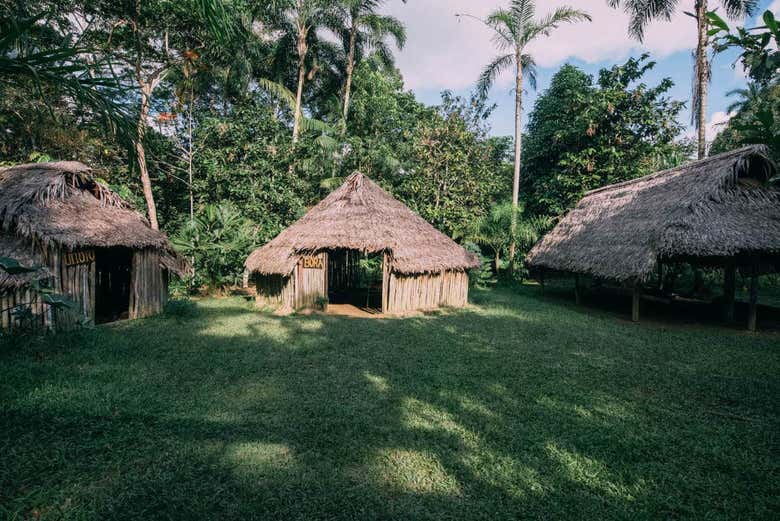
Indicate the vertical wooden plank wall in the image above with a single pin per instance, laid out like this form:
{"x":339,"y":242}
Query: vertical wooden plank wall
{"x":148,"y":290}
{"x":299,"y":290}
{"x":385,"y":281}
{"x":148,"y":294}
{"x":311,"y":283}
{"x":275,"y":291}
{"x":77,"y":282}
{"x":426,"y":291}
{"x":17,"y":298}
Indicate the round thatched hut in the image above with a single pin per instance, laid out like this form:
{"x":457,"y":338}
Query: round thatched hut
{"x":319,"y":255}
{"x":716,"y":212}
{"x":85,"y":241}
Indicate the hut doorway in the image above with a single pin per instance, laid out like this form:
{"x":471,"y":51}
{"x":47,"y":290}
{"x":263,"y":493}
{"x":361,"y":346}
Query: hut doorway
{"x":113,"y":269}
{"x":355,"y":279}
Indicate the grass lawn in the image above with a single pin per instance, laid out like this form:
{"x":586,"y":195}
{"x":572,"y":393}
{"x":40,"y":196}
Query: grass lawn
{"x":519,"y":407}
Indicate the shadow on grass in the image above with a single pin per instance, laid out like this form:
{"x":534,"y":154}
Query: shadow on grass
{"x":516,"y":408}
{"x":679,"y":313}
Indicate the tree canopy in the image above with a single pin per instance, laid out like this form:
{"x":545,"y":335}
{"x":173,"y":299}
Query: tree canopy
{"x":585,"y":133}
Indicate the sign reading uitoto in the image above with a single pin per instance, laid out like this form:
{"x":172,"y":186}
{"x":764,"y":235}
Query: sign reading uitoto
{"x":79,"y":257}
{"x":312,"y":263}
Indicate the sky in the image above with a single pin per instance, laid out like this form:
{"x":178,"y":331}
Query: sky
{"x":443,"y":52}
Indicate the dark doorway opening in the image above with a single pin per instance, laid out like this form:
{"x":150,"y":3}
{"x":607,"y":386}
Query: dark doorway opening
{"x":113,"y":267}
{"x":355,"y":278}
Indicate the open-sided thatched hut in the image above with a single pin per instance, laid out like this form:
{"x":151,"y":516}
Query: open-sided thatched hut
{"x":718,"y":212}
{"x":317,"y":256}
{"x":85,"y":241}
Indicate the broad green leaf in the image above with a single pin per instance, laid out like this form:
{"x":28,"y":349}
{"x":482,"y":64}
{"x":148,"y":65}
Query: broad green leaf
{"x":12,"y":266}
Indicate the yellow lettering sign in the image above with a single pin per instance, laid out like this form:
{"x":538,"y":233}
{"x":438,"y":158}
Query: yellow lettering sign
{"x":312,"y":263}
{"x":79,"y":257}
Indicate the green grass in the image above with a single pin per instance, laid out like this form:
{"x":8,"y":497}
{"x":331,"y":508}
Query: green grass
{"x":520,"y":407}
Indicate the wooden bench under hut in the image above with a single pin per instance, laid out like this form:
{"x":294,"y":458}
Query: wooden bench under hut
{"x":720,"y":212}
{"x":319,"y":256}
{"x":85,"y":242}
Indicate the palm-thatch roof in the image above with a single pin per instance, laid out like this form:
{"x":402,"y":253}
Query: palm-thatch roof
{"x":61,"y":203}
{"x":718,"y":207}
{"x":360,"y":215}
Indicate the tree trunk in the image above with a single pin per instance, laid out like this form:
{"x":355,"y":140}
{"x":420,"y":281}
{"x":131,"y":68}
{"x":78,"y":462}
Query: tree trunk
{"x":497,"y":262}
{"x":753,"y":303}
{"x":518,"y":151}
{"x":146,"y":182}
{"x":302,"y":49}
{"x":729,"y":290}
{"x":189,"y":156}
{"x":350,"y":69}
{"x":702,"y":67}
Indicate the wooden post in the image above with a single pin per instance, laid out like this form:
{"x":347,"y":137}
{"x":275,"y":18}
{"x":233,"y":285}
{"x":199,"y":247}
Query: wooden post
{"x":729,"y":289}
{"x":635,"y":302}
{"x":541,"y":279}
{"x":753,"y":301}
{"x":385,"y":281}
{"x":577,"y":290}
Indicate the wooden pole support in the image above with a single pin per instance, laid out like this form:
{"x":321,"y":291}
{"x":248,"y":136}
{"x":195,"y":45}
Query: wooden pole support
{"x":577,"y":290}
{"x":729,"y":290}
{"x":635,"y":295}
{"x":753,"y":302}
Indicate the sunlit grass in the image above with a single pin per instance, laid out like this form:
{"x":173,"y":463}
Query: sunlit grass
{"x":517,"y":407}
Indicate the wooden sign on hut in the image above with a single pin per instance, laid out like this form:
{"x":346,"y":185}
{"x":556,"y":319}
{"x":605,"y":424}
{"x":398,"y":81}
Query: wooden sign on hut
{"x":85,"y":242}
{"x":719,"y":212}
{"x":320,"y":255}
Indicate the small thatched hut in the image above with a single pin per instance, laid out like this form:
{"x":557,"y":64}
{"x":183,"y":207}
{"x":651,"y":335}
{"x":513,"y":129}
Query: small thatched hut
{"x":718,"y":212}
{"x":318,"y":255}
{"x":85,"y":241}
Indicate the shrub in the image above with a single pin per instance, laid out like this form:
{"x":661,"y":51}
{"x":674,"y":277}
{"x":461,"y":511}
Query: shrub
{"x":217,"y":243}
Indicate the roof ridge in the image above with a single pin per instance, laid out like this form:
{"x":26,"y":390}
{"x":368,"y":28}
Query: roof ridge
{"x":678,"y":169}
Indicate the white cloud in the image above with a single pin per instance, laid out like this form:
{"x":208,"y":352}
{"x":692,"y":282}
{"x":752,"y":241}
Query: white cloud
{"x":715,"y":125}
{"x":443,"y":52}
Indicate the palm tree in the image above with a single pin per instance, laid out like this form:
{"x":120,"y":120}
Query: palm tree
{"x":643,"y":12}
{"x":302,"y":19}
{"x":366,"y":29}
{"x":493,"y":231}
{"x":51,"y":63}
{"x":748,"y":97}
{"x":514,"y":28}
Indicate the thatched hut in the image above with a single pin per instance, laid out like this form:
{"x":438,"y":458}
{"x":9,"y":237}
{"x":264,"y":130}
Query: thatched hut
{"x":717,"y":212}
{"x":318,"y":256}
{"x":85,"y":241}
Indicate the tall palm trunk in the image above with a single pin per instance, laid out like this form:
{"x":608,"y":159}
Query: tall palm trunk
{"x":302,"y":50}
{"x":190,"y":154}
{"x":518,"y":153}
{"x":146,"y":182}
{"x":702,"y":76}
{"x":350,"y":69}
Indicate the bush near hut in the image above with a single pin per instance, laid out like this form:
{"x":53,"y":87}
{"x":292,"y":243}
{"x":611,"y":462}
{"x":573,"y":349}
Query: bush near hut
{"x":217,"y":242}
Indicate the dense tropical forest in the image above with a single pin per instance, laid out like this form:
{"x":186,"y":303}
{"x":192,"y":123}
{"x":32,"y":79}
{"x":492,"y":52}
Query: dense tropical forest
{"x":224,"y":120}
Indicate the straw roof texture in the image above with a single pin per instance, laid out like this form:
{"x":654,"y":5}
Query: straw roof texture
{"x":61,"y":203}
{"x":360,"y":215}
{"x":716,"y":207}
